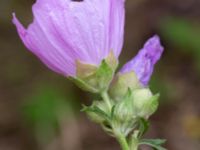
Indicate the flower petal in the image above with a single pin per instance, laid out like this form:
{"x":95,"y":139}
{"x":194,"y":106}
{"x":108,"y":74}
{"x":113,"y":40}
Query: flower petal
{"x":143,"y":63}
{"x":90,"y":28}
{"x":64,"y":31}
{"x":38,"y":43}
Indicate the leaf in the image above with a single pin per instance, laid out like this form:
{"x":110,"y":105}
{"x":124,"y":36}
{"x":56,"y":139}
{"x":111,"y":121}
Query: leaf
{"x":112,"y":111}
{"x":155,"y":143}
{"x":97,"y":111}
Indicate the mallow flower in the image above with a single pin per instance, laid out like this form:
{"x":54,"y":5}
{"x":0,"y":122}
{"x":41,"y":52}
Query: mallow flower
{"x":66,"y":32}
{"x":136,"y":73}
{"x":82,"y":40}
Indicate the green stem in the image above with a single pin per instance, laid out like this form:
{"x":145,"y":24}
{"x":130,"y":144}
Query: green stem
{"x":120,"y":137}
{"x":106,"y":98}
{"x":123,"y":142}
{"x":134,"y":147}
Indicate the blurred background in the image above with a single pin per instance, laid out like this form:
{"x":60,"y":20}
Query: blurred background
{"x":40,"y":110}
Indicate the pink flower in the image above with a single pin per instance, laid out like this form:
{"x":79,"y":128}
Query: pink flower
{"x":143,"y":63}
{"x":64,"y":31}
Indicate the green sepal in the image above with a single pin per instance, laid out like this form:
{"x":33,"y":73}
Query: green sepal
{"x":95,"y":79}
{"x":152,"y":105}
{"x":143,"y":127}
{"x":145,"y":104}
{"x":154,"y":143}
{"x":83,"y":85}
{"x":121,"y":83}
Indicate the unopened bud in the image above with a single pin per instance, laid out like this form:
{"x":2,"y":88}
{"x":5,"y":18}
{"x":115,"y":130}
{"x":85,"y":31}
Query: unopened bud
{"x":121,"y":83}
{"x":145,"y":103}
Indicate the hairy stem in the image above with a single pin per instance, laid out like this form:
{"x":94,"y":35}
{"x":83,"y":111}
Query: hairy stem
{"x":120,"y":137}
{"x":134,"y":147}
{"x":123,"y":142}
{"x":106,"y":98}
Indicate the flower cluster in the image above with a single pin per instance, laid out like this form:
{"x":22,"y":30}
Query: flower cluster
{"x":82,"y":40}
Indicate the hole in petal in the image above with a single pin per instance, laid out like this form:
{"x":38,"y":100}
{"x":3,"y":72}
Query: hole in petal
{"x":77,"y":0}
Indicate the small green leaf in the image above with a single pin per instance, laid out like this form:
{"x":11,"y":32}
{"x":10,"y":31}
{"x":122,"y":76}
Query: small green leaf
{"x":155,"y":143}
{"x":96,"y":114}
{"x":112,"y":111}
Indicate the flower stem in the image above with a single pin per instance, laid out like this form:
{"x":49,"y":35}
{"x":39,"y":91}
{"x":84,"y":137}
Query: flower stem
{"x":120,"y":137}
{"x":123,"y":142}
{"x":106,"y":98}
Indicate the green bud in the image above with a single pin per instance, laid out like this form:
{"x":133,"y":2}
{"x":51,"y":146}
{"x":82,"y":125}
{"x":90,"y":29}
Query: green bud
{"x":145,"y":103}
{"x":124,"y":109}
{"x":95,"y":79}
{"x":139,"y":103}
{"x":124,"y":118}
{"x":121,"y":83}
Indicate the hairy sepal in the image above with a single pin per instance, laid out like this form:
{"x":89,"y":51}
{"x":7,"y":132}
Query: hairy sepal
{"x":121,"y":83}
{"x":95,"y":79}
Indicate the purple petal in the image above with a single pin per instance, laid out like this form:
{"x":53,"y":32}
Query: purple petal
{"x":143,"y":63}
{"x":35,"y":40}
{"x":64,"y":31}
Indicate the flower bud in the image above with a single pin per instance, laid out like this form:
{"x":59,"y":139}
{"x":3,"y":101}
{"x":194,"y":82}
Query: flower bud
{"x":143,"y":63}
{"x":136,"y":73}
{"x":121,"y":83}
{"x":145,"y":103}
{"x":140,"y":103}
{"x":124,"y":116}
{"x":124,"y":109}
